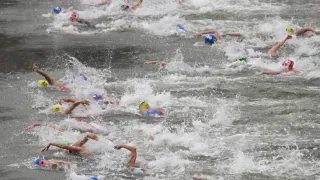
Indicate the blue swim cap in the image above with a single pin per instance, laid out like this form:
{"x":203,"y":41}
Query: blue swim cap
{"x":210,"y":39}
{"x":37,"y":161}
{"x":56,"y":9}
{"x":93,"y":178}
{"x":97,"y":97}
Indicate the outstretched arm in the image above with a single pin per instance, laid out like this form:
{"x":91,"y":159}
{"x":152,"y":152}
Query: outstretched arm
{"x":274,"y":49}
{"x":209,"y":32}
{"x":232,"y":34}
{"x":271,"y":72}
{"x":133,"y":156}
{"x":85,"y":139}
{"x":161,"y":63}
{"x":104,"y":3}
{"x":74,"y":105}
{"x":305,"y":29}
{"x":63,"y":146}
{"x":45,"y":75}
{"x":67,"y":100}
{"x":45,"y":124}
{"x":68,"y":10}
{"x":135,"y":5}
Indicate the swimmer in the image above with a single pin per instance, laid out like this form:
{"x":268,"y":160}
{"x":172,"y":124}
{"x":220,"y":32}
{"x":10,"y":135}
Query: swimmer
{"x":75,"y":18}
{"x":287,"y":67}
{"x":76,"y":148}
{"x":44,"y":124}
{"x":106,"y":99}
{"x":212,"y":36}
{"x":53,"y":163}
{"x":126,"y":6}
{"x":57,"y":107}
{"x":49,"y":80}
{"x":92,"y":127}
{"x":150,"y":112}
{"x":274,"y":49}
{"x":303,"y":32}
{"x":58,"y":10}
{"x":104,"y":2}
{"x":160,"y":63}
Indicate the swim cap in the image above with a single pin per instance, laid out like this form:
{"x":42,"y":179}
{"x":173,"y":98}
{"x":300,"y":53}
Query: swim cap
{"x":209,"y":39}
{"x":144,"y":104}
{"x":43,"y":83}
{"x":56,"y":9}
{"x":290,"y":30}
{"x":241,"y":58}
{"x":93,"y":178}
{"x":37,"y":161}
{"x":74,"y":16}
{"x":97,"y":97}
{"x":56,"y":108}
{"x":288,"y":63}
{"x":66,"y":142}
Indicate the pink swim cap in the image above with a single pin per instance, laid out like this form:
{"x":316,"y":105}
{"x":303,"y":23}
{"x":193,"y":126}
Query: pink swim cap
{"x":288,"y":63}
{"x":74,"y":16}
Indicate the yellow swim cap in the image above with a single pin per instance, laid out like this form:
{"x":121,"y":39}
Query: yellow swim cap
{"x":43,"y":83}
{"x":144,"y":104}
{"x":56,"y":108}
{"x":290,"y":30}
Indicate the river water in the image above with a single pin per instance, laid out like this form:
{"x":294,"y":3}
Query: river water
{"x":224,"y":121}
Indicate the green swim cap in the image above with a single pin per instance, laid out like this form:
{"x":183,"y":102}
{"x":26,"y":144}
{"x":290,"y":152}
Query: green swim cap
{"x":144,"y":104}
{"x":241,"y":58}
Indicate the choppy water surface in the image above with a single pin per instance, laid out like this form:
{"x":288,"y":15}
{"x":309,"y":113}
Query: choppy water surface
{"x":225,"y":120}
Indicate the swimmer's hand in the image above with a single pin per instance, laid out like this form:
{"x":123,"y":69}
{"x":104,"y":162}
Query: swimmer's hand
{"x":198,"y":34}
{"x":35,"y":67}
{"x":33,"y":125}
{"x":92,"y":136}
{"x":117,"y":147}
{"x":46,"y":148}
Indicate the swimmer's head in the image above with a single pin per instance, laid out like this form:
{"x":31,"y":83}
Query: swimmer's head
{"x":210,"y":39}
{"x":144,"y":104}
{"x":56,"y":108}
{"x":93,"y":178}
{"x":56,"y":9}
{"x":39,"y":162}
{"x":241,"y":58}
{"x":124,"y":7}
{"x":43,"y":83}
{"x":290,"y":30}
{"x":288,"y":64}
{"x":97,"y":97}
{"x":74,"y":16}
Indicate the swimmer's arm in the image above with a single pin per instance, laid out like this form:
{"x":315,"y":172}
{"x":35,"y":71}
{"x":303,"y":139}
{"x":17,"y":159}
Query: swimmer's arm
{"x":160,"y":110}
{"x":45,"y":75}
{"x":208,"y":32}
{"x":271,"y":72}
{"x":68,"y":10}
{"x":45,"y":124}
{"x":64,"y":162}
{"x":133,"y":156}
{"x":74,"y":105}
{"x":67,"y":100}
{"x":305,"y":29}
{"x":161,"y":63}
{"x":104,"y":3}
{"x":232,"y":34}
{"x":135,"y":5}
{"x":63,"y":146}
